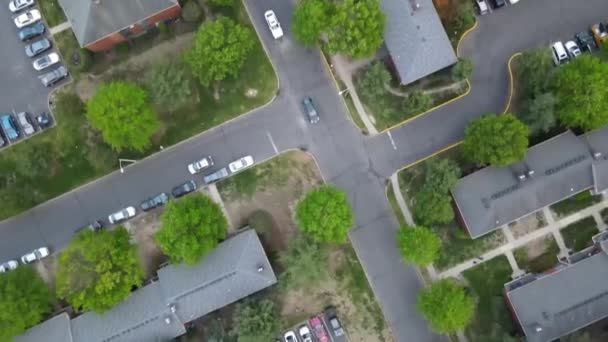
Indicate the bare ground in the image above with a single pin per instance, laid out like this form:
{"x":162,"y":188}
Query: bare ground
{"x":537,"y":247}
{"x":527,"y":224}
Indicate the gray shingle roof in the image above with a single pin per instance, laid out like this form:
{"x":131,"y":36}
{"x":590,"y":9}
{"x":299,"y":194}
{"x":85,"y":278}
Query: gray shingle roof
{"x":92,"y":20}
{"x":559,"y":303}
{"x":598,"y":142}
{"x":54,"y":329}
{"x":416,"y":39}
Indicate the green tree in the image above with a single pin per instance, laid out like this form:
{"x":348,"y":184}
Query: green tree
{"x":24,"y":302}
{"x":416,"y":102}
{"x":219,"y":50}
{"x":535,"y":71}
{"x":431,"y":208}
{"x":496,"y":140}
{"x":121,"y":112}
{"x":168,"y":85}
{"x":325,"y":214}
{"x":441,"y":175}
{"x":539,"y":114}
{"x":462,"y":70}
{"x":98,"y":270}
{"x":221,"y":3}
{"x":191,"y":228}
{"x":256,"y":321}
{"x":302,"y":261}
{"x":581,"y":90}
{"x":418,"y":245}
{"x":374,"y":80}
{"x":356,"y":29}
{"x":191,"y":12}
{"x":446,"y":306}
{"x":310,"y":19}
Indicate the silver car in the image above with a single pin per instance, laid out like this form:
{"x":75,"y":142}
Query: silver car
{"x":122,"y":215}
{"x":37,"y":47}
{"x":46,"y":61}
{"x":24,"y":121}
{"x":53,"y":76}
{"x":37,"y":254}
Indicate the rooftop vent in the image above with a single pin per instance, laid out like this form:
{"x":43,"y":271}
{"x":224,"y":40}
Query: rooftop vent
{"x":167,"y":320}
{"x":521,"y":177}
{"x":530,"y":173}
{"x":538,"y":328}
{"x":597,"y":155}
{"x":260,"y":269}
{"x":173,"y":308}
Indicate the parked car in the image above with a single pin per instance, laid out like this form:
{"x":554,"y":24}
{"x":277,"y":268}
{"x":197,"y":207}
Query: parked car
{"x":241,"y":164}
{"x":183,"y":189}
{"x":46,"y":61}
{"x":558,"y":51}
{"x":1,"y":141}
{"x":310,"y":110}
{"x":273,"y":24}
{"x":290,"y":336}
{"x":200,"y":165}
{"x":9,"y":126}
{"x":8,"y":266}
{"x":482,"y":6}
{"x":24,"y":121}
{"x":154,"y":202}
{"x":18,"y":5}
{"x":513,"y":2}
{"x":316,"y":323}
{"x":37,"y":47}
{"x":53,"y":76}
{"x":122,"y":215}
{"x":93,"y":226}
{"x":37,"y":254}
{"x":573,"y":49}
{"x":27,"y":18}
{"x":44,"y":120}
{"x":333,"y":322}
{"x":305,"y":334}
{"x":216,"y":176}
{"x":585,"y":41}
{"x":31,"y":31}
{"x":499,"y":3}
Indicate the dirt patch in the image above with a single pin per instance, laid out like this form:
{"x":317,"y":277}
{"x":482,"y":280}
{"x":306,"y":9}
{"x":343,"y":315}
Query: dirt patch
{"x":528,"y":224}
{"x":538,"y":247}
{"x":142,"y":229}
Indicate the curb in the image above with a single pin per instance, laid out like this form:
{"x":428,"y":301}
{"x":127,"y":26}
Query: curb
{"x":511,"y":80}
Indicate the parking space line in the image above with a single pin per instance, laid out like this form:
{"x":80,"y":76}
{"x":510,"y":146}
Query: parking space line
{"x":274,"y":146}
{"x":390,"y":136}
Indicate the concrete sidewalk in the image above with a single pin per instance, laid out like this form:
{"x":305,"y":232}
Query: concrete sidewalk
{"x":60,"y":28}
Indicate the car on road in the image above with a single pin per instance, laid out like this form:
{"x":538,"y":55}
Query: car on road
{"x":310,"y":110}
{"x":27,"y":18}
{"x":558,"y":51}
{"x":216,"y":176}
{"x":37,"y":47}
{"x":154,"y":202}
{"x":585,"y":41}
{"x":9,"y":126}
{"x":305,"y":334}
{"x":8,"y":266}
{"x":44,"y":120}
{"x":513,"y":2}
{"x":290,"y":336}
{"x":333,"y":322}
{"x":200,"y":165}
{"x":31,"y":31}
{"x":573,"y":49}
{"x":53,"y":76}
{"x":499,"y":3}
{"x":482,"y":6}
{"x":18,"y":5}
{"x":24,"y":121}
{"x":93,"y":226}
{"x":183,"y":189}
{"x":122,"y":215}
{"x":46,"y":61}
{"x":273,"y":24}
{"x":316,"y":323}
{"x":240,"y":164}
{"x":37,"y":254}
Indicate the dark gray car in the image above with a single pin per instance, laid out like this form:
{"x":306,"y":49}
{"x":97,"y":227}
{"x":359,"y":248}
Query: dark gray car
{"x":37,"y":47}
{"x":54,"y":76}
{"x":183,"y":189}
{"x":310,"y":110}
{"x":154,"y":202}
{"x":216,"y":176}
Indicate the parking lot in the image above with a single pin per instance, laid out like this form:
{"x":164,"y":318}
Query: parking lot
{"x":22,"y":90}
{"x":324,"y":327}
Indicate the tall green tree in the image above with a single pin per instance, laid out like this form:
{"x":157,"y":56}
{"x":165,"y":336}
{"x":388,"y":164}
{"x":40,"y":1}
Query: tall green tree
{"x":121,"y":112}
{"x":301,"y":261}
{"x":256,"y":321}
{"x":374,"y":80}
{"x":416,"y":102}
{"x":534,"y":72}
{"x":446,"y":306}
{"x":98,"y":270}
{"x":24,"y":302}
{"x":220,"y":49}
{"x":325,"y":214}
{"x":356,"y":29}
{"x":191,"y":228}
{"x":310,"y":19}
{"x":539,"y":114}
{"x":441,"y":175}
{"x":581,"y":90}
{"x":432,"y":208}
{"x":222,"y":3}
{"x":418,"y":245}
{"x":168,"y":85}
{"x":462,"y":69}
{"x":496,"y":140}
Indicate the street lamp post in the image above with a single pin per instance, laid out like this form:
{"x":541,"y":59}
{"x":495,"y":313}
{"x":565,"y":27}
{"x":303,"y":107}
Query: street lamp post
{"x":120,"y":161}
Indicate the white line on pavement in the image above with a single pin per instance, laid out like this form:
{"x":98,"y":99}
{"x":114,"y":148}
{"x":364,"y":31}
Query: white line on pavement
{"x":392,"y":141}
{"x":276,"y":150}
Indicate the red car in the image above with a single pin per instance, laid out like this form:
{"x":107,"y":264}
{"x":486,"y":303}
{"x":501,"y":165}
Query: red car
{"x":319,"y":330}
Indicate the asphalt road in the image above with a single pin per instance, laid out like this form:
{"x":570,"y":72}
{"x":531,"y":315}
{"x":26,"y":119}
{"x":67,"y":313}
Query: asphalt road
{"x":357,"y":164}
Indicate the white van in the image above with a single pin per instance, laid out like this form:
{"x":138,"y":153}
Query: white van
{"x":560,"y":56}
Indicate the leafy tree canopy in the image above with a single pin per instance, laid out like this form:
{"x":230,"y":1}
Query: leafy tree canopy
{"x":255,"y":321}
{"x":418,"y":245}
{"x":304,"y":263}
{"x":222,"y":3}
{"x":98,"y":270}
{"x":416,"y":102}
{"x":374,"y":80}
{"x":356,"y":28}
{"x":191,"y":228}
{"x":431,"y":207}
{"x":325,"y":214}
{"x":539,"y":114}
{"x":496,"y":140}
{"x":462,"y":70}
{"x":446,"y":306}
{"x":220,"y":49}
{"x":169,"y":85}
{"x":310,"y":19}
{"x":535,"y":71}
{"x":24,"y":302}
{"x":441,"y":175}
{"x":121,"y":112}
{"x":581,"y":90}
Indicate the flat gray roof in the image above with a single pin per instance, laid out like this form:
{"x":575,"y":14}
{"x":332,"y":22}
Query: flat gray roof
{"x":416,"y":39}
{"x":54,"y":329}
{"x":559,"y":303}
{"x":598,"y":142}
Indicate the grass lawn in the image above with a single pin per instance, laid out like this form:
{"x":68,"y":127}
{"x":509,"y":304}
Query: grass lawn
{"x":52,"y":12}
{"x":575,"y":203}
{"x":492,"y":320}
{"x":392,"y":200}
{"x":577,"y":235}
{"x":541,"y":262}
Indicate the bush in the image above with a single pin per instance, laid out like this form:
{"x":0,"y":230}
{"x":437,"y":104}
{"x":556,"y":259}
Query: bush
{"x":191,"y":12}
{"x":221,"y":3}
{"x":374,"y":80}
{"x":261,"y":221}
{"x":122,"y":49}
{"x":462,"y":70}
{"x":168,"y":85}
{"x":417,"y":102}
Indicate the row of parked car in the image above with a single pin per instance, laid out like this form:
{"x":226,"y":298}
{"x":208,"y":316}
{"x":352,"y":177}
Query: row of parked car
{"x":562,"y":53}
{"x":37,"y":254}
{"x":483,"y":7}
{"x":12,"y":129}
{"x":321,"y":328}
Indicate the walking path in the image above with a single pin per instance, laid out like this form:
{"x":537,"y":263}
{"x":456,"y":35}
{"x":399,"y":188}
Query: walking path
{"x":60,"y":28}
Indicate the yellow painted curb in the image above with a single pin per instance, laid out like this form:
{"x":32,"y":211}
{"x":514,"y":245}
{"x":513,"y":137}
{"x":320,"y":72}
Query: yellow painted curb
{"x":429,"y":156}
{"x":511,"y":80}
{"x":466,"y":33}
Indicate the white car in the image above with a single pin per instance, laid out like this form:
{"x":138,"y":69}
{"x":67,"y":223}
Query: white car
{"x":27,"y":18}
{"x":290,"y":336}
{"x":18,"y":5}
{"x":122,"y":215}
{"x":482,"y":5}
{"x":24,"y":121}
{"x":305,"y":334}
{"x":46,"y":61}
{"x":36,"y":254}
{"x":241,"y":164}
{"x":8,"y":266}
{"x":273,"y":24}
{"x":513,"y":2}
{"x":573,"y":49}
{"x":200,"y":165}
